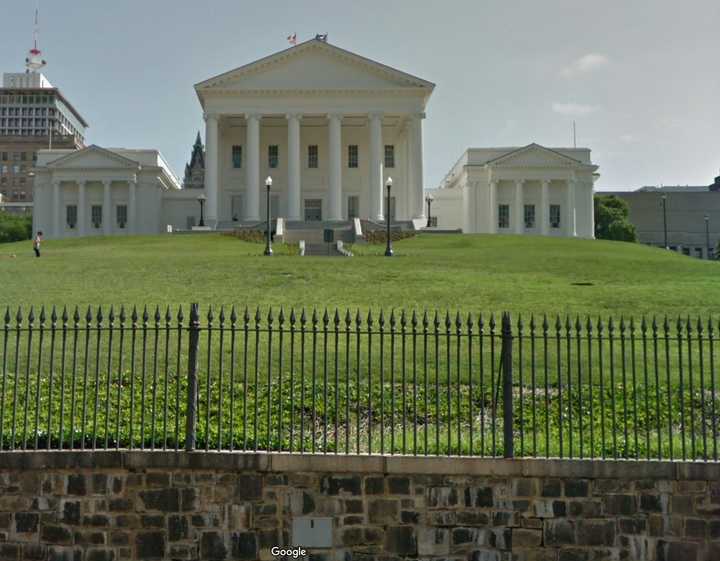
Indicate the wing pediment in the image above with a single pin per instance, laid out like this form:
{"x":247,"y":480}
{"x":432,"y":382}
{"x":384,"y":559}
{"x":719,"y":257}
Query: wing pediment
{"x":93,"y":157}
{"x":535,"y":155}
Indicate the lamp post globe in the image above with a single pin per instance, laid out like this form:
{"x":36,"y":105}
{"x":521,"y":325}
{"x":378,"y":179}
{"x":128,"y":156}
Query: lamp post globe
{"x":388,"y":246}
{"x":429,"y":199}
{"x":201,"y":199}
{"x":268,"y":245}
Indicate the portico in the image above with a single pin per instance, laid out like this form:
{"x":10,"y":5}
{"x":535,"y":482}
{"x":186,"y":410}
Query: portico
{"x":327,"y":125}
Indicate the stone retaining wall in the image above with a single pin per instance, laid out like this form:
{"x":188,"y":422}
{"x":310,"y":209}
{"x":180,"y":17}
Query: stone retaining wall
{"x":104,"y":506}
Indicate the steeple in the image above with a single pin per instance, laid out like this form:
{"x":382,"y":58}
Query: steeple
{"x":195,"y":170}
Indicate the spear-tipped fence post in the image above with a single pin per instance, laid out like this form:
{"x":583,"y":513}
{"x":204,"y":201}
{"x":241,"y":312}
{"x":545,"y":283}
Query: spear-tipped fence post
{"x":506,"y":353}
{"x":192,"y":392}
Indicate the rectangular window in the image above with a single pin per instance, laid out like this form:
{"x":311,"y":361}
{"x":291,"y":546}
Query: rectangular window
{"x":273,"y":156}
{"x":313,"y":210}
{"x":71,"y":216}
{"x":353,"y":207}
{"x":554,"y":216}
{"x":529,"y":216}
{"x":313,"y":156}
{"x":352,"y":156}
{"x":389,"y":156}
{"x":121,"y":215}
{"x":503,"y":216}
{"x":96,"y":215}
{"x":237,"y":156}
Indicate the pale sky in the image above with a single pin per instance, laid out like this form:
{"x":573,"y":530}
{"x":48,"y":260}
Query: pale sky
{"x":640,"y":77}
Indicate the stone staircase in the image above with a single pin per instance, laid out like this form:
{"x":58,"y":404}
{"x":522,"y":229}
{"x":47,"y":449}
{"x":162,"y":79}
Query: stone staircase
{"x":322,"y":250}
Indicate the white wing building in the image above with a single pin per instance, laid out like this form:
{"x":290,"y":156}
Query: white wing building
{"x":523,"y":190}
{"x":330,"y":127}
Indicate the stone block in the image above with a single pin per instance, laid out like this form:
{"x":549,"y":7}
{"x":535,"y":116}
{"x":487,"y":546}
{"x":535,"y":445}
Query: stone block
{"x":524,"y":487}
{"x":248,"y":487}
{"x":177,"y":527}
{"x":677,"y":551}
{"x":695,"y":528}
{"x":442,"y":497}
{"x":336,"y":485}
{"x":433,"y":541}
{"x":401,"y":540}
{"x":558,"y":532}
{"x":26,"y":522}
{"x":90,"y":538}
{"x":479,"y":497}
{"x":398,"y":485}
{"x":524,"y":537}
{"x":409,"y":517}
{"x":464,"y":538}
{"x":588,"y":508}
{"x":551,"y":488}
{"x":244,"y":546}
{"x":34,"y":552}
{"x":682,"y":504}
{"x":353,"y":506}
{"x":373,"y":535}
{"x":64,"y":554}
{"x":577,"y":488}
{"x":150,"y":545}
{"x":595,"y":532}
{"x":383,"y":511}
{"x":9,"y":551}
{"x":100,"y":555}
{"x":442,"y":518}
{"x":120,"y":504}
{"x":52,"y":534}
{"x":120,"y":539}
{"x":472,"y":518}
{"x":165,"y":500}
{"x":374,"y":485}
{"x":352,"y":536}
{"x":76,"y":485}
{"x":157,"y":479}
{"x":632,"y":525}
{"x":99,"y":483}
{"x":239,"y":517}
{"x":620,"y":504}
{"x":650,"y":503}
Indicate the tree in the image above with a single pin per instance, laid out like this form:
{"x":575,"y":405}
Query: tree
{"x":611,"y":219}
{"x":15,"y":227}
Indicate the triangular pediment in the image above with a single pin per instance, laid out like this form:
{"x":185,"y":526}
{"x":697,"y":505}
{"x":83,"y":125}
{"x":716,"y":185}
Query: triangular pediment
{"x":93,"y":157}
{"x":534,"y":155}
{"x":313,"y":65}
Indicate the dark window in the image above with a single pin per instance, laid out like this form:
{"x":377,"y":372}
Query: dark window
{"x":96,"y":215}
{"x":273,"y":156}
{"x":503,"y":216}
{"x":313,"y":156}
{"x":352,"y":156}
{"x":313,"y":210}
{"x":389,"y":156}
{"x":353,"y":207}
{"x":529,"y":216}
{"x":237,"y":156}
{"x":121,"y":215}
{"x":555,"y":216}
{"x":71,"y":216}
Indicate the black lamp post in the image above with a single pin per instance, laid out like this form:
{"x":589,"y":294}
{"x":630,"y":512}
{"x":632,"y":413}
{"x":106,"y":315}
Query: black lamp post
{"x":429,"y":199}
{"x":388,"y":247}
{"x":707,"y":235}
{"x":201,"y":199}
{"x":664,"y":205}
{"x":268,"y":247}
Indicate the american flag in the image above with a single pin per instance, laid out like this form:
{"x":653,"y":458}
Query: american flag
{"x":292,"y":39}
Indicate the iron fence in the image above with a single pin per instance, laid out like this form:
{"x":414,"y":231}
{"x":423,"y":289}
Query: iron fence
{"x":327,"y":382}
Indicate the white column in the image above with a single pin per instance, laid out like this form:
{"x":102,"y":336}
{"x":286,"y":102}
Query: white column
{"x":107,"y":208}
{"x":570,"y":208}
{"x":492,"y":207}
{"x":375,"y":166}
{"x":335,"y":167}
{"x":518,"y":207}
{"x":132,"y":207}
{"x":415,"y":152}
{"x":211,"y":167}
{"x":82,"y":208}
{"x":293,"y":167}
{"x":545,"y":207}
{"x":57,"y":210}
{"x":252,"y":167}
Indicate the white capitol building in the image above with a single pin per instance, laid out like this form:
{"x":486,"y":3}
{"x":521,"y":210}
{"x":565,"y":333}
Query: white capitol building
{"x":330,"y":127}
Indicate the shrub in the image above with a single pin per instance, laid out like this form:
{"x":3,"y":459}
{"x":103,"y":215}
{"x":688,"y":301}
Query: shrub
{"x":15,"y":227}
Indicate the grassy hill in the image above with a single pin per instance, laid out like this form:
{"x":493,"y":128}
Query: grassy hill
{"x":471,"y":273}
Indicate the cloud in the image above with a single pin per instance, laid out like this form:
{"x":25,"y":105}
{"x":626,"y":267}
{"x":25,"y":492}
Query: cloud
{"x":574,"y":109}
{"x":585,"y":64}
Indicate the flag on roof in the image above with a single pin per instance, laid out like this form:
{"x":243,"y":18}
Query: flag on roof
{"x":322,"y":37}
{"x":292,"y":39}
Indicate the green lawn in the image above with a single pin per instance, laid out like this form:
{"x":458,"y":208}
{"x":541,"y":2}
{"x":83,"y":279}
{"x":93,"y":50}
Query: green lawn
{"x":472,"y":273}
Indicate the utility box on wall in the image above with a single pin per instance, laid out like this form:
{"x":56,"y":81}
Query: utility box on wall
{"x":312,"y":532}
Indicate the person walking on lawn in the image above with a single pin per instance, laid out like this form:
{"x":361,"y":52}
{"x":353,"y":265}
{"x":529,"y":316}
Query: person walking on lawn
{"x":36,"y":243}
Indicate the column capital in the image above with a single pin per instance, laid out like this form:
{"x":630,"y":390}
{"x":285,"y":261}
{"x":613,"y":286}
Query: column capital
{"x":376,"y":115}
{"x":519,"y":182}
{"x":334,"y":116}
{"x":81,"y":182}
{"x":546,"y":181}
{"x":107,"y":182}
{"x":293,"y":115}
{"x":494,"y":182}
{"x":253,"y":116}
{"x":207,"y":116}
{"x":417,"y":116}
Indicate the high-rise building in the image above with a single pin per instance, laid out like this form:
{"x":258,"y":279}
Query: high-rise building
{"x":34,"y":115}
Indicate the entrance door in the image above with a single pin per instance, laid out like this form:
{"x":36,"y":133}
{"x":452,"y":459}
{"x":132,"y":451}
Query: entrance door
{"x":353,"y":205}
{"x":236,"y":207}
{"x":313,"y":210}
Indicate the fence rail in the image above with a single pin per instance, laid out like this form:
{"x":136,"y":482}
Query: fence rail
{"x":401,"y":382}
